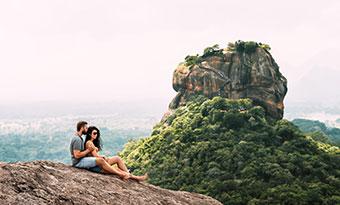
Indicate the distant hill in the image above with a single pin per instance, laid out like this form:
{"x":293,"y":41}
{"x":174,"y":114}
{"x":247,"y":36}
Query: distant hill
{"x":316,"y":80}
{"x":319,"y":131}
{"x":319,"y":85}
{"x":49,"y":138}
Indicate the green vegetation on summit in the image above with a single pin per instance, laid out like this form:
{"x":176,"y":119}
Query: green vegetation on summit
{"x":230,"y":150}
{"x":239,"y":46}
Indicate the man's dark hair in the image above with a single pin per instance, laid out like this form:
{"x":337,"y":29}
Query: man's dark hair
{"x":80,"y":124}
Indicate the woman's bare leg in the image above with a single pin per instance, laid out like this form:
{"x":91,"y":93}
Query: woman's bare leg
{"x":122,"y":167}
{"x":111,"y":170}
{"x":120,"y":163}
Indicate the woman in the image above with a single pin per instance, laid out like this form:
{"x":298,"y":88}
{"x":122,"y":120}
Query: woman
{"x":93,"y":140}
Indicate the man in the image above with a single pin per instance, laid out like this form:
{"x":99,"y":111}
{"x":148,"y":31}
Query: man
{"x":80,"y":159}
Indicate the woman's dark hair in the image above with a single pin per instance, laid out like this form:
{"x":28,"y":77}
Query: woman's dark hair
{"x":97,"y":142}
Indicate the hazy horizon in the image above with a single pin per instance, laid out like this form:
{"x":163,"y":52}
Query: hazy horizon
{"x":108,"y":51}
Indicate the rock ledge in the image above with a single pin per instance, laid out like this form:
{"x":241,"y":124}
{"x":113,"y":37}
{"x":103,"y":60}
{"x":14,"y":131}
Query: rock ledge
{"x":46,"y":182}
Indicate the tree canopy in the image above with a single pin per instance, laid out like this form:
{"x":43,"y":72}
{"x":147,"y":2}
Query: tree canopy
{"x":229,"y":150}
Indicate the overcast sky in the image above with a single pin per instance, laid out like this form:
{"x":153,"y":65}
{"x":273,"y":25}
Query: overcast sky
{"x":87,"y":51}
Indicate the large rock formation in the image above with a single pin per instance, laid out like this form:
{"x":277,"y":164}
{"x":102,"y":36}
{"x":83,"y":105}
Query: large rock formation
{"x":243,"y":70}
{"x":44,"y":182}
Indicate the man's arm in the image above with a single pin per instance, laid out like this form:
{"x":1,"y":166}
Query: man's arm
{"x":77,"y":146}
{"x":78,"y":154}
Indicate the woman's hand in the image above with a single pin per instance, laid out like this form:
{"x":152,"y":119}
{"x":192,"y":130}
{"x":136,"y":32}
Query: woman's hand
{"x":90,"y":148}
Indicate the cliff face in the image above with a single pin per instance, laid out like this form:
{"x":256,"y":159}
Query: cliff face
{"x":233,"y":74}
{"x":44,"y":182}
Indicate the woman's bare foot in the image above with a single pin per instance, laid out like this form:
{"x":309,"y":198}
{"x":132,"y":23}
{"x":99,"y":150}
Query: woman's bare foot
{"x":141,"y":178}
{"x":125,"y":176}
{"x":145,"y":177}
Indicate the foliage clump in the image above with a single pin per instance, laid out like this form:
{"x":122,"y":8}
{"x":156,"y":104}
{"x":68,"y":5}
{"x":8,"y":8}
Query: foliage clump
{"x":239,"y":46}
{"x":214,"y":50}
{"x":228,"y":149}
{"x":247,"y":46}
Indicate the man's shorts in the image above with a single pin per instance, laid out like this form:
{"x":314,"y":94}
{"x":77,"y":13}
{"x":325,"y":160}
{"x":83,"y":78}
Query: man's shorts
{"x":95,"y":169}
{"x":88,"y":163}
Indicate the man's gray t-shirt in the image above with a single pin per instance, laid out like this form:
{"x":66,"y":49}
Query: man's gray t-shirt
{"x":76,"y":144}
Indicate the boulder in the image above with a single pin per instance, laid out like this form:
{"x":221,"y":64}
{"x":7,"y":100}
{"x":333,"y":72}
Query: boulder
{"x":46,"y":182}
{"x":232,"y":74}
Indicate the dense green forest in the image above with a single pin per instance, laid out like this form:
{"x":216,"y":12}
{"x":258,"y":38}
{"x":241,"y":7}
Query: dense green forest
{"x":319,"y":131}
{"x":229,"y":150}
{"x":55,"y":146}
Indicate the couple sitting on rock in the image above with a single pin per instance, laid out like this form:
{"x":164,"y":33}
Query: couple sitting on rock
{"x":85,"y":154}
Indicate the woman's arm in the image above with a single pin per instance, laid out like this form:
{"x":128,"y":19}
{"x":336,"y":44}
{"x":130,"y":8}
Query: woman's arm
{"x":94,"y":151}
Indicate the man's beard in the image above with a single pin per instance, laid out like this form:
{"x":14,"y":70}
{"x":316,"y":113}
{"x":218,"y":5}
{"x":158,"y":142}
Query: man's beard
{"x":84,"y":132}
